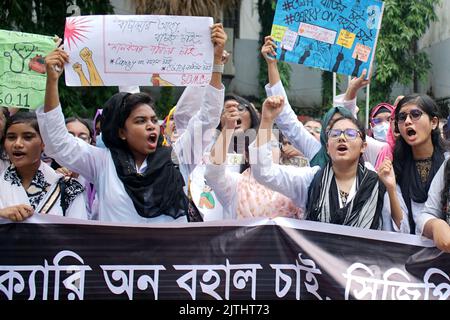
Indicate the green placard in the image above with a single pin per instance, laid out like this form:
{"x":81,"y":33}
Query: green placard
{"x":22,"y":68}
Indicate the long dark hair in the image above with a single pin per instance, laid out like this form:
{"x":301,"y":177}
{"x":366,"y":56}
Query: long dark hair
{"x":445,"y":190}
{"x":5,"y":113}
{"x":22,"y":117}
{"x":402,"y":149}
{"x":116,"y":111}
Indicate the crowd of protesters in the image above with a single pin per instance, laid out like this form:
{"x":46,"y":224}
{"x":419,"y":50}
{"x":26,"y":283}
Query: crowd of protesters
{"x":124,"y":167}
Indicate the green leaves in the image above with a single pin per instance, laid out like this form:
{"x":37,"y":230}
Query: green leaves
{"x":48,"y":18}
{"x":397,"y":57}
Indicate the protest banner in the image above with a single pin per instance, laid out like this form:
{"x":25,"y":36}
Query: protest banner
{"x":56,"y":258}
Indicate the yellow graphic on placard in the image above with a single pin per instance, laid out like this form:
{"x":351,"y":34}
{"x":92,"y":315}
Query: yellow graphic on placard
{"x":346,"y":38}
{"x":361,"y":52}
{"x":94,"y":75}
{"x":278,"y":32}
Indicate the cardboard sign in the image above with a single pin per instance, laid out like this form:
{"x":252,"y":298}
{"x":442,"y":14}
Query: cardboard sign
{"x":333,"y":35}
{"x":22,"y":68}
{"x":138,"y":50}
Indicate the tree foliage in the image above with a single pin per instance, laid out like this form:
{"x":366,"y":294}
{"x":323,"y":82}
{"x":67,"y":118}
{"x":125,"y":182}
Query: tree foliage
{"x":211,"y":8}
{"x":48,"y":18}
{"x":397,"y":57}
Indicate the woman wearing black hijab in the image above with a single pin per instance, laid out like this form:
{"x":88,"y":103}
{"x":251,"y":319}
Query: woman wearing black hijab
{"x":134,"y":176}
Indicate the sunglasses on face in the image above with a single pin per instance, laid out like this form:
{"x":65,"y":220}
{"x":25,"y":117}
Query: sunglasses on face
{"x":350,"y":134}
{"x":414,"y":115}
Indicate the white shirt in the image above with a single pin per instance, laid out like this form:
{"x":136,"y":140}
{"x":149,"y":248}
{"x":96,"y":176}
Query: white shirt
{"x":293,"y":182}
{"x":433,"y":207}
{"x":97,"y":164}
{"x":291,"y":127}
{"x":301,"y":139}
{"x":12,"y":195}
{"x":3,"y":165}
{"x":421,"y":212}
{"x":388,"y":222}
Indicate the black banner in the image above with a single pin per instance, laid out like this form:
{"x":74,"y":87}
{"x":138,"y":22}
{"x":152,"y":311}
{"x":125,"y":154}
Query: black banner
{"x":52,"y":258}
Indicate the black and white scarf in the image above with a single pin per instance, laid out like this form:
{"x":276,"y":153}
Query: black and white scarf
{"x":43,"y":182}
{"x":363,"y":211}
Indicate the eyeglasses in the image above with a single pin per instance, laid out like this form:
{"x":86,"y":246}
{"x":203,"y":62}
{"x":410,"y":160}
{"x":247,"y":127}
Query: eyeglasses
{"x":377,"y":121}
{"x":414,"y":115}
{"x":313,"y":129}
{"x":350,"y":134}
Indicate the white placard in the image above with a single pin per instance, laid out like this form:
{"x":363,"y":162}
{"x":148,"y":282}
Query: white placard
{"x":141,"y":50}
{"x":317,"y":33}
{"x":289,"y":39}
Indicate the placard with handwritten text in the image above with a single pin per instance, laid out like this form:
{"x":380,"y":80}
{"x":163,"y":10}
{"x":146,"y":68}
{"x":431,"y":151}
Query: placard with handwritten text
{"x":333,"y":35}
{"x":138,"y":50}
{"x":22,"y":68}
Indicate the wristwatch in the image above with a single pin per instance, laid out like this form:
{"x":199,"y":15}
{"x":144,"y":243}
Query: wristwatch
{"x":218,"y":68}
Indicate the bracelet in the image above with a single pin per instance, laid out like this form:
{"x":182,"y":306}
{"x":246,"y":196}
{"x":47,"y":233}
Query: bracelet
{"x":218,"y":68}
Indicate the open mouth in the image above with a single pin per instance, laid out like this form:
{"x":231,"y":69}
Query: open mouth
{"x":342,"y":148}
{"x":238,"y":122}
{"x":410,"y":132}
{"x":18,"y":154}
{"x":153,"y":137}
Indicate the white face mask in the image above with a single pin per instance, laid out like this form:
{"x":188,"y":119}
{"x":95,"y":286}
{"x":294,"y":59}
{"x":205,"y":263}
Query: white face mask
{"x":380,"y":131}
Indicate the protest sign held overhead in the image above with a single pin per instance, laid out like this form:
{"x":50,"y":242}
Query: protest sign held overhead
{"x":138,"y":50}
{"x":333,"y":35}
{"x":22,"y":68}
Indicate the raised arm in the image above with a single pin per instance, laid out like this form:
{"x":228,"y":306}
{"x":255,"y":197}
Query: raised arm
{"x":398,"y":217}
{"x":54,"y":63}
{"x":60,"y":145}
{"x":348,"y":99}
{"x":287,"y":120}
{"x":191,"y":144}
{"x":190,"y":101}
{"x":293,"y":182}
{"x":223,"y":182}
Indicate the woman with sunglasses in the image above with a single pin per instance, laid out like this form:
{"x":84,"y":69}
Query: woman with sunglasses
{"x":418,"y":154}
{"x":343,"y":192}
